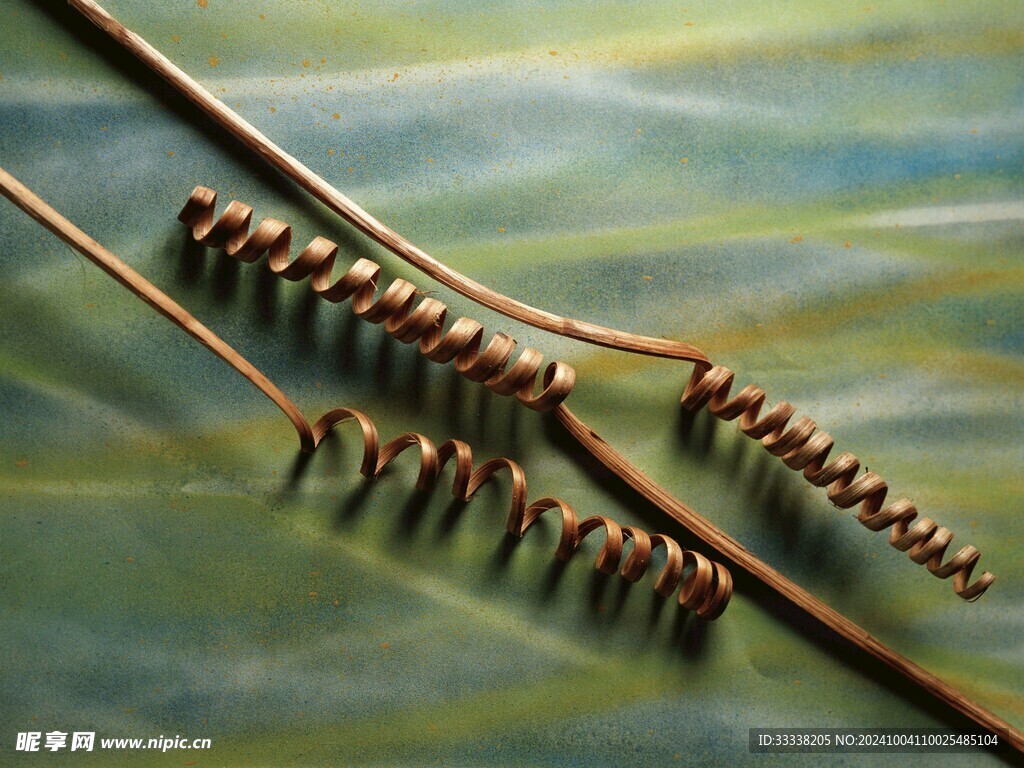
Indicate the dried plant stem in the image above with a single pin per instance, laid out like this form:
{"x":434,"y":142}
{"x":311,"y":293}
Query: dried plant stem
{"x":231,"y":233}
{"x":706,"y":589}
{"x":715,"y":585}
{"x":803,"y":447}
{"x":925,"y":542}
{"x":746,"y":561}
{"x":579,"y":330}
{"x":363,"y":221}
{"x":800,"y":445}
{"x":37,"y":208}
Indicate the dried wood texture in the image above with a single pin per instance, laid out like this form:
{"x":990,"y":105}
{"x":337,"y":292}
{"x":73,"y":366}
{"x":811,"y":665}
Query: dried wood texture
{"x":363,"y":221}
{"x":705,"y":589}
{"x":396,"y":308}
{"x":801,"y":446}
{"x":738,"y":555}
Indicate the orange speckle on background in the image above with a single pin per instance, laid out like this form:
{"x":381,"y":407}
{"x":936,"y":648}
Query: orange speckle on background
{"x":393,"y":77}
{"x":847,"y":244}
{"x":21,"y":463}
{"x":501,"y":229}
{"x":129,"y":559}
{"x":336,"y":116}
{"x":330,"y":151}
{"x":797,"y":239}
{"x":263,"y":16}
{"x":203,"y":3}
{"x":214,"y":61}
{"x":689,"y":23}
{"x":648,"y":277}
{"x":305,"y":62}
{"x":385,"y":646}
{"x":273,"y":109}
{"x":552,"y":53}
{"x":684,"y":160}
{"x":312,"y":594}
{"x":176,"y":38}
{"x":170,"y":153}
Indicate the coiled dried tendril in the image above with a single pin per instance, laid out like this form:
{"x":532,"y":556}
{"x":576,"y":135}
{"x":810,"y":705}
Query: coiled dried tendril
{"x":706,"y":590}
{"x":801,"y":446}
{"x":403,"y":317}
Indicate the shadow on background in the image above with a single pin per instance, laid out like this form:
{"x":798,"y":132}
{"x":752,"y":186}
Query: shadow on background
{"x":775,"y":497}
{"x":698,"y":438}
{"x":606,"y":595}
{"x":768,"y":484}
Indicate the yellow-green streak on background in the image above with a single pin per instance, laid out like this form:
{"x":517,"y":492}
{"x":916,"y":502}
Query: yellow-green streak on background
{"x":826,"y":197}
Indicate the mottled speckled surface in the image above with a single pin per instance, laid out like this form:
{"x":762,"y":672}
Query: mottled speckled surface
{"x":730,"y":175}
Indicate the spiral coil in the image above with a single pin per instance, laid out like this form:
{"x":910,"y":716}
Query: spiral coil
{"x":705,"y":590}
{"x":802,"y":446}
{"x":397,"y":309}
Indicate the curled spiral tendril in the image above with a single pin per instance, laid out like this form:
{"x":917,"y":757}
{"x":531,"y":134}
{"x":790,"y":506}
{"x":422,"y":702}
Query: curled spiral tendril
{"x":396,"y":308}
{"x":706,"y":589}
{"x":802,"y":446}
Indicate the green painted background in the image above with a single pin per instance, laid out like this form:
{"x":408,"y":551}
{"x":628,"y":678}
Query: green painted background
{"x":161,"y":573}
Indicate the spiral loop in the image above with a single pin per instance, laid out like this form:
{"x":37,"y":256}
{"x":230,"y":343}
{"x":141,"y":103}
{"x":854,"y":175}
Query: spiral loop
{"x":705,"y":589}
{"x":396,"y":308}
{"x":801,"y":446}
